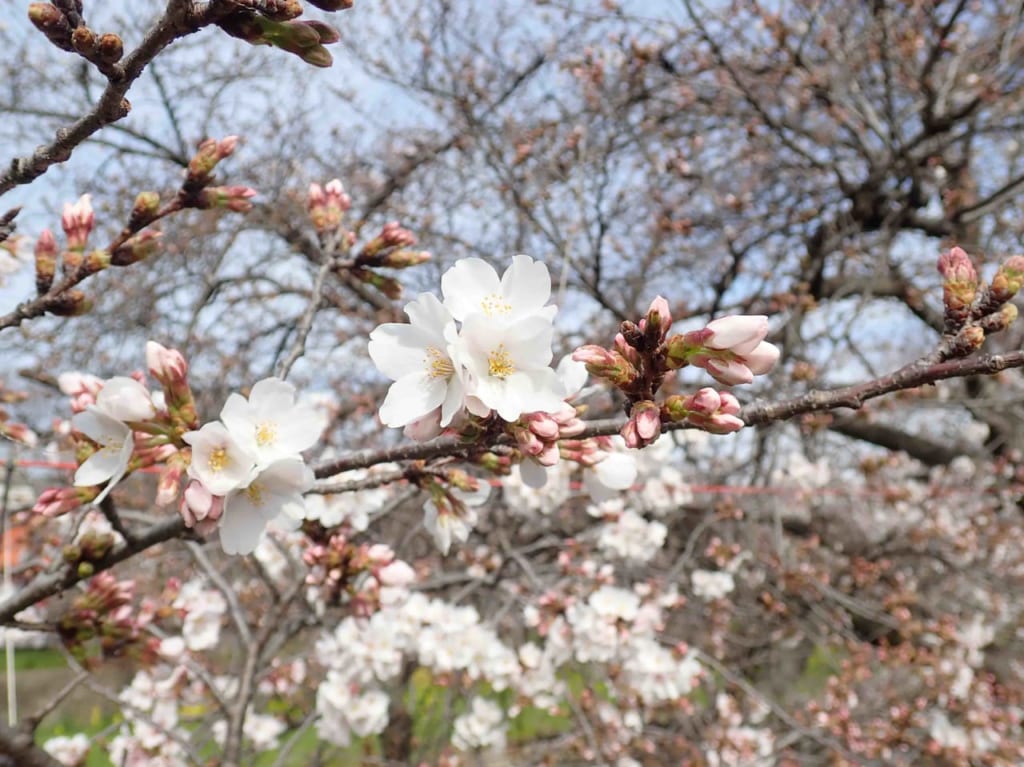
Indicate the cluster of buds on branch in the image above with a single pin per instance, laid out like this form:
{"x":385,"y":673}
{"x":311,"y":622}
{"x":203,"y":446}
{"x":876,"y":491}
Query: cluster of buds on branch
{"x":362,"y":576}
{"x":731,"y":349}
{"x":101,"y":623}
{"x":275,"y":23}
{"x":13,"y":430}
{"x":972,"y":309}
{"x":134,"y":243}
{"x":390,"y":249}
{"x":64,"y":26}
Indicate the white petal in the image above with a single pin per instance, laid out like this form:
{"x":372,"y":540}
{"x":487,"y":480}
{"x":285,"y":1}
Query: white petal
{"x":572,"y":374}
{"x":98,"y":467}
{"x":237,"y":416}
{"x":241,"y":527}
{"x":99,"y":426}
{"x":300,"y":430}
{"x":410,"y":398}
{"x":272,"y":393}
{"x":526,"y":284}
{"x":428,"y":314}
{"x":529,"y":342}
{"x":466,"y":284}
{"x":617,"y":471}
{"x":125,"y":399}
{"x":455,"y":397}
{"x":533,"y":474}
{"x":398,"y":349}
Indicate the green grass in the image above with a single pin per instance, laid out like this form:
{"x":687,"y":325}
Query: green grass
{"x":27,"y":659}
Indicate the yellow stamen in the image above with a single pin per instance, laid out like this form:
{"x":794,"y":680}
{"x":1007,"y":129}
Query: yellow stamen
{"x":437,"y":363}
{"x":266,"y":433}
{"x":255,"y":493}
{"x":494,"y":304}
{"x":218,"y":459}
{"x":499,"y":363}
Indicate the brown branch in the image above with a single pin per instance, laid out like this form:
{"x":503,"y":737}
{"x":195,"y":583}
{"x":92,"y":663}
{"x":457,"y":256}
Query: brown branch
{"x":916,"y":374}
{"x":180,"y":19}
{"x":20,"y":747}
{"x":51,"y":583}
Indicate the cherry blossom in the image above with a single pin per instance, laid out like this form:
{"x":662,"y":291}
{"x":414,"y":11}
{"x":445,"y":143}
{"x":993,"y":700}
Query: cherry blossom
{"x":270,"y":424}
{"x":472,"y":286}
{"x":219,"y":460}
{"x":418,"y":358}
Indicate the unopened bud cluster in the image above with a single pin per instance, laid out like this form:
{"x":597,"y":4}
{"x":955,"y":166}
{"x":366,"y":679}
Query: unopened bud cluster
{"x":101,"y":623}
{"x":731,"y":349}
{"x":973,"y":309}
{"x":275,"y":23}
{"x":361,"y":576}
{"x":64,"y":26}
{"x":9,"y":428}
{"x":390,"y":249}
{"x":538,"y":435}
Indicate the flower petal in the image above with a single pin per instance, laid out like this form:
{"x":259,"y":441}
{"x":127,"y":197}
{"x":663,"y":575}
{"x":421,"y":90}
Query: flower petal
{"x":412,"y":397}
{"x":466,"y":284}
{"x":526,"y":284}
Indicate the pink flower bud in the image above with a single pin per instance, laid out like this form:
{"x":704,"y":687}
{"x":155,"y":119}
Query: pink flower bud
{"x":728,"y":372}
{"x":425,"y":428}
{"x":46,"y":260}
{"x":730,"y":405}
{"x":167,"y":487}
{"x":659,"y":314}
{"x":19,"y":432}
{"x":137,"y":248}
{"x":705,"y":401}
{"x":396,"y":574}
{"x":167,"y":366}
{"x":55,"y":501}
{"x":543,"y":425}
{"x":198,"y":504}
{"x":77,"y":222}
{"x":762,"y":358}
{"x":955,"y":266}
{"x":548,"y":455}
{"x":235,"y":198}
{"x":81,"y":387}
{"x":644,"y":425}
{"x":336,"y":195}
{"x":723,"y":423}
{"x":603,"y":363}
{"x":226,"y":146}
{"x":394,"y":235}
{"x":738,"y":333}
{"x":315,"y":197}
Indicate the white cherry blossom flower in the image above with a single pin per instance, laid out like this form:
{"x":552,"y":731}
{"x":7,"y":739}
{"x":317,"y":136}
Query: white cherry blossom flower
{"x":270,"y":424}
{"x":70,"y":751}
{"x":472,"y":286}
{"x":115,"y":442}
{"x":417,"y":357}
{"x":481,"y":727}
{"x":276,"y":490}
{"x":218,"y":460}
{"x":445,"y":527}
{"x":632,"y":537}
{"x":508,"y":366}
{"x":710,"y":585}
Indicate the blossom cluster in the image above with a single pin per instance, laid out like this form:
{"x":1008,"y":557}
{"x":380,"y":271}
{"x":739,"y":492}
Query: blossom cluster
{"x":246,"y":468}
{"x":243,"y":471}
{"x":486,"y":347}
